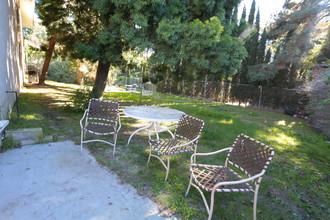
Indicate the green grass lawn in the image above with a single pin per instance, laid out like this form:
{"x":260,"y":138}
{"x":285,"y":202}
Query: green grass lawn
{"x":295,"y":186}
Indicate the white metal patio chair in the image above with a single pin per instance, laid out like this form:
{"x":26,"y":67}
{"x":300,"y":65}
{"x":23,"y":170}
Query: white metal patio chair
{"x":184,"y":139}
{"x":248,"y":155}
{"x":101,"y":118}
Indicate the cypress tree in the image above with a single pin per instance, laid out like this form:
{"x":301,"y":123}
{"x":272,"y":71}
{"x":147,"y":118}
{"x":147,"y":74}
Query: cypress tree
{"x":252,"y":11}
{"x":262,"y":47}
{"x":234,"y":22}
{"x":268,"y":56}
{"x":257,"y":24}
{"x":242,"y":22}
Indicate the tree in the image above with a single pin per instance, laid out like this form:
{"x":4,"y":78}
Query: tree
{"x":104,"y":30}
{"x":252,"y":12}
{"x":34,"y":41}
{"x":55,"y":17}
{"x":119,"y":27}
{"x":292,"y":31}
{"x":268,"y":56}
{"x":251,"y":46}
{"x":292,"y":34}
{"x":262,"y":47}
{"x":242,"y":23}
{"x":192,"y":45}
{"x":257,"y":24}
{"x":234,"y":22}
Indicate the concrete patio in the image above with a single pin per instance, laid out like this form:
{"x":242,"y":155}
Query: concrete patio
{"x":56,"y":181}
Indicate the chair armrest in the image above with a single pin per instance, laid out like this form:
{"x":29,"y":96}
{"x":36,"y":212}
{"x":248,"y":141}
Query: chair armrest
{"x":185,"y":144}
{"x":209,"y":153}
{"x":238,"y":181}
{"x":83,"y":117}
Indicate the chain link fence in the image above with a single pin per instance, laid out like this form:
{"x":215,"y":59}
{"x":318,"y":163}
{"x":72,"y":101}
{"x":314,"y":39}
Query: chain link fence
{"x":238,"y":94}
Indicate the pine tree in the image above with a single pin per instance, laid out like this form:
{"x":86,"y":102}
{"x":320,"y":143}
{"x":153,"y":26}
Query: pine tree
{"x":252,"y":12}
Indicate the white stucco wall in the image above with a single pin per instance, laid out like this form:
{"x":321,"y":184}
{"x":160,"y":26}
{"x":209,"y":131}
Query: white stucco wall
{"x":11,"y":54}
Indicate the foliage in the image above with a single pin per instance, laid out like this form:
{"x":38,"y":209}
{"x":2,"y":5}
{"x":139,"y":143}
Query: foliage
{"x":61,"y":71}
{"x":9,"y":143}
{"x":197,"y":48}
{"x":262,"y":48}
{"x":242,"y":23}
{"x":54,"y":15}
{"x":318,"y":85}
{"x":80,"y":99}
{"x":260,"y":72}
{"x":112,"y":28}
{"x":324,"y":53}
{"x":251,"y":43}
{"x":34,"y":43}
{"x":292,"y":31}
{"x":252,"y":13}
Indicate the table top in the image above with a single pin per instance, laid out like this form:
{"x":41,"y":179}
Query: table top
{"x":153,"y":113}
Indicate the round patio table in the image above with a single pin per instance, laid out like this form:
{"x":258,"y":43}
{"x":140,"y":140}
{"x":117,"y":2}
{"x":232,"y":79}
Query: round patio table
{"x":154,"y":115}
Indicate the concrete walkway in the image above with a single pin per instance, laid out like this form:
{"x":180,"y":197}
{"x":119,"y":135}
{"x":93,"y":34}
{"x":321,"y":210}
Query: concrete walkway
{"x":57,"y":182}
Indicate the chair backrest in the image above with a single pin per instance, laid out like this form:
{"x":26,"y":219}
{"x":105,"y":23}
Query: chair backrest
{"x":249,"y":155}
{"x":103,"y":110}
{"x":189,"y":127}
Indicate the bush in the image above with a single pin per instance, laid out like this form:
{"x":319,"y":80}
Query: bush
{"x":61,"y":71}
{"x":9,"y":143}
{"x":80,"y":99}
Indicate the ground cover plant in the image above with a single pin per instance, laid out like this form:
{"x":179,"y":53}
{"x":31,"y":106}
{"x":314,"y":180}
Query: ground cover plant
{"x":295,"y":186}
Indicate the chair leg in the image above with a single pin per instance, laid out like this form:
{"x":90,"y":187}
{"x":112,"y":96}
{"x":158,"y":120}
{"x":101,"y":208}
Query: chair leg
{"x":255,"y":202}
{"x":81,"y":139}
{"x":211,"y":206}
{"x":168,"y":166}
{"x":114,"y":144}
{"x":189,"y":185}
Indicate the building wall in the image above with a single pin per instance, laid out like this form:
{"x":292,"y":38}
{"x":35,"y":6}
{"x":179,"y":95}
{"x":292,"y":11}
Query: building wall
{"x":11,"y":54}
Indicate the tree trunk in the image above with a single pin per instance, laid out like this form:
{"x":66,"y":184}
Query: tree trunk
{"x":292,"y":75}
{"x":80,"y":76}
{"x":101,"y":79}
{"x":49,"y":54}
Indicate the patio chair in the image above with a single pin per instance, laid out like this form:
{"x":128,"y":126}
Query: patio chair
{"x":248,"y":155}
{"x":184,"y":139}
{"x":101,"y":118}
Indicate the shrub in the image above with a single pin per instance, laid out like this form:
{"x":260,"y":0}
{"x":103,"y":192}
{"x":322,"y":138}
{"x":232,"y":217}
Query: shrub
{"x":61,"y":71}
{"x":9,"y":143}
{"x":80,"y":99}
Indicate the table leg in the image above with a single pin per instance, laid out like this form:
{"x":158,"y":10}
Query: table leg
{"x":140,"y":129}
{"x":160,"y":128}
{"x":156,"y":130}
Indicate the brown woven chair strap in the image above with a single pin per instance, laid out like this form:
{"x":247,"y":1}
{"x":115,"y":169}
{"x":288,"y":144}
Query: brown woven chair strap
{"x":250,"y":155}
{"x":189,"y":127}
{"x":207,"y":176}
